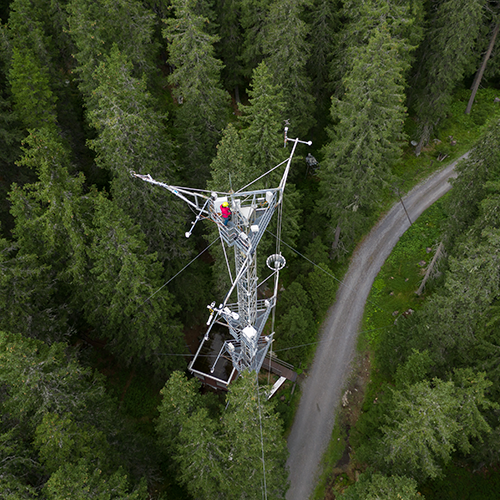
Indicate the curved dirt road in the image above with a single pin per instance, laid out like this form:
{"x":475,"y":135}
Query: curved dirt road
{"x":321,"y":390}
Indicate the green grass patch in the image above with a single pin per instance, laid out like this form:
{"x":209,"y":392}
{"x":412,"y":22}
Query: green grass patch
{"x":332,"y":455}
{"x":393,"y":291}
{"x":456,"y":134}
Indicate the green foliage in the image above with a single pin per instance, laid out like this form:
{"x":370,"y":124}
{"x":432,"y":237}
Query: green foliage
{"x":81,"y":482}
{"x":95,"y":26}
{"x":253,"y":21}
{"x":414,"y":370}
{"x":61,"y":440}
{"x":286,"y":51}
{"x":332,"y":455}
{"x":359,"y":157}
{"x":95,"y":254}
{"x":448,"y":53}
{"x":374,"y":486}
{"x":296,"y":327}
{"x":228,"y":46}
{"x":263,"y":132}
{"x":204,"y":105}
{"x":430,"y":421}
{"x":223,"y":455}
{"x":262,"y":137}
{"x":59,"y":428}
{"x":469,"y":188}
{"x":403,"y":19}
{"x":399,"y":278}
{"x":460,"y":482}
{"x":132,"y":137}
{"x":321,"y":288}
{"x":10,"y":133}
{"x":43,"y":379}
{"x":116,"y":298}
{"x":324,"y":22}
{"x":32,"y":97}
{"x":180,"y":400}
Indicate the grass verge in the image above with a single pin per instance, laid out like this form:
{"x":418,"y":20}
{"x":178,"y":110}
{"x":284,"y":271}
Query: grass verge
{"x":332,"y":456}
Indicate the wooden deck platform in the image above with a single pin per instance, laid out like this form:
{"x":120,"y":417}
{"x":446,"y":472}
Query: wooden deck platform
{"x":279,"y":367}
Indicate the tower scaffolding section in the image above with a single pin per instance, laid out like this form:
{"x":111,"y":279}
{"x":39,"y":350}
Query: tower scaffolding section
{"x":251,"y":212}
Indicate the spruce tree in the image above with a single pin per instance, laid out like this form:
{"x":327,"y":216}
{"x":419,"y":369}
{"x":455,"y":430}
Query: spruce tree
{"x":263,"y":125}
{"x":430,"y":420}
{"x":403,"y":18}
{"x":97,"y":258}
{"x":230,"y":455}
{"x":33,"y":99}
{"x":203,"y":105}
{"x":51,"y":443}
{"x":253,"y":21}
{"x":470,"y":186}
{"x":122,"y":297}
{"x":447,"y":54}
{"x":365,"y":140}
{"x":286,"y":52}
{"x":230,"y":171}
{"x":131,"y":136}
{"x":229,"y":45}
{"x":323,"y":19}
{"x":96,"y":25}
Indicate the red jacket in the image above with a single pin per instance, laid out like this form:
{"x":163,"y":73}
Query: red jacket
{"x":225,"y":211}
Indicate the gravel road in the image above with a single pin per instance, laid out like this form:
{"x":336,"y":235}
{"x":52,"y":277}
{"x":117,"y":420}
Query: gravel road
{"x":321,"y":390}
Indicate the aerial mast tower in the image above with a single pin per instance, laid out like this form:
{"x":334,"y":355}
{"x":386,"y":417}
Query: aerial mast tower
{"x":252,"y":210}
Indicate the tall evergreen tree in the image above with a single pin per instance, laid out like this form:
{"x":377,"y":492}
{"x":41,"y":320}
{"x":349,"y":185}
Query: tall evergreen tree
{"x":97,"y":258}
{"x":286,"y":52}
{"x":33,"y":99}
{"x":430,"y":421}
{"x":231,"y":456}
{"x":253,"y":21}
{"x":203,"y":104}
{"x":229,"y":45}
{"x":470,"y":186}
{"x":41,"y":27}
{"x":117,"y":296}
{"x":230,"y":170}
{"x":50,"y":242}
{"x":26,"y":30}
{"x":263,"y":125}
{"x":51,"y":442}
{"x":403,"y":18}
{"x":364,"y":142}
{"x":447,"y":54}
{"x":296,"y":325}
{"x":96,"y":25}
{"x":323,"y":19}
{"x":132,"y":137}
{"x":245,"y":155}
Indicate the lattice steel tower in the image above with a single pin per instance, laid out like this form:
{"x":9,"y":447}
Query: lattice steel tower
{"x":252,"y":211}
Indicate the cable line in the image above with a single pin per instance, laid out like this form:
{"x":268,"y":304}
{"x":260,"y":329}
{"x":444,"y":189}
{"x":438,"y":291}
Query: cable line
{"x":186,"y":266}
{"x":319,"y":267}
{"x":261,"y":436}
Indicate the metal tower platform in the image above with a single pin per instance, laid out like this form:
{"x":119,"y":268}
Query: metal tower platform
{"x":241,"y":342}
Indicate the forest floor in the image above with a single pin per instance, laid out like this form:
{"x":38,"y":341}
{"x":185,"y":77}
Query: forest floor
{"x":322,"y":389}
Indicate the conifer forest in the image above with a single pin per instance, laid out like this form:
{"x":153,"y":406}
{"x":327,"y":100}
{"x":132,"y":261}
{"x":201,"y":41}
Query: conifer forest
{"x":103,"y":300}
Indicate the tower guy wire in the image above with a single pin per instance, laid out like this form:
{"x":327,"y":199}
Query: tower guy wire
{"x":177,"y":274}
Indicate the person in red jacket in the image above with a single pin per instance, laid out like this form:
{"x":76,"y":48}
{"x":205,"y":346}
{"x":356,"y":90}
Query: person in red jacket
{"x":226,"y":213}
